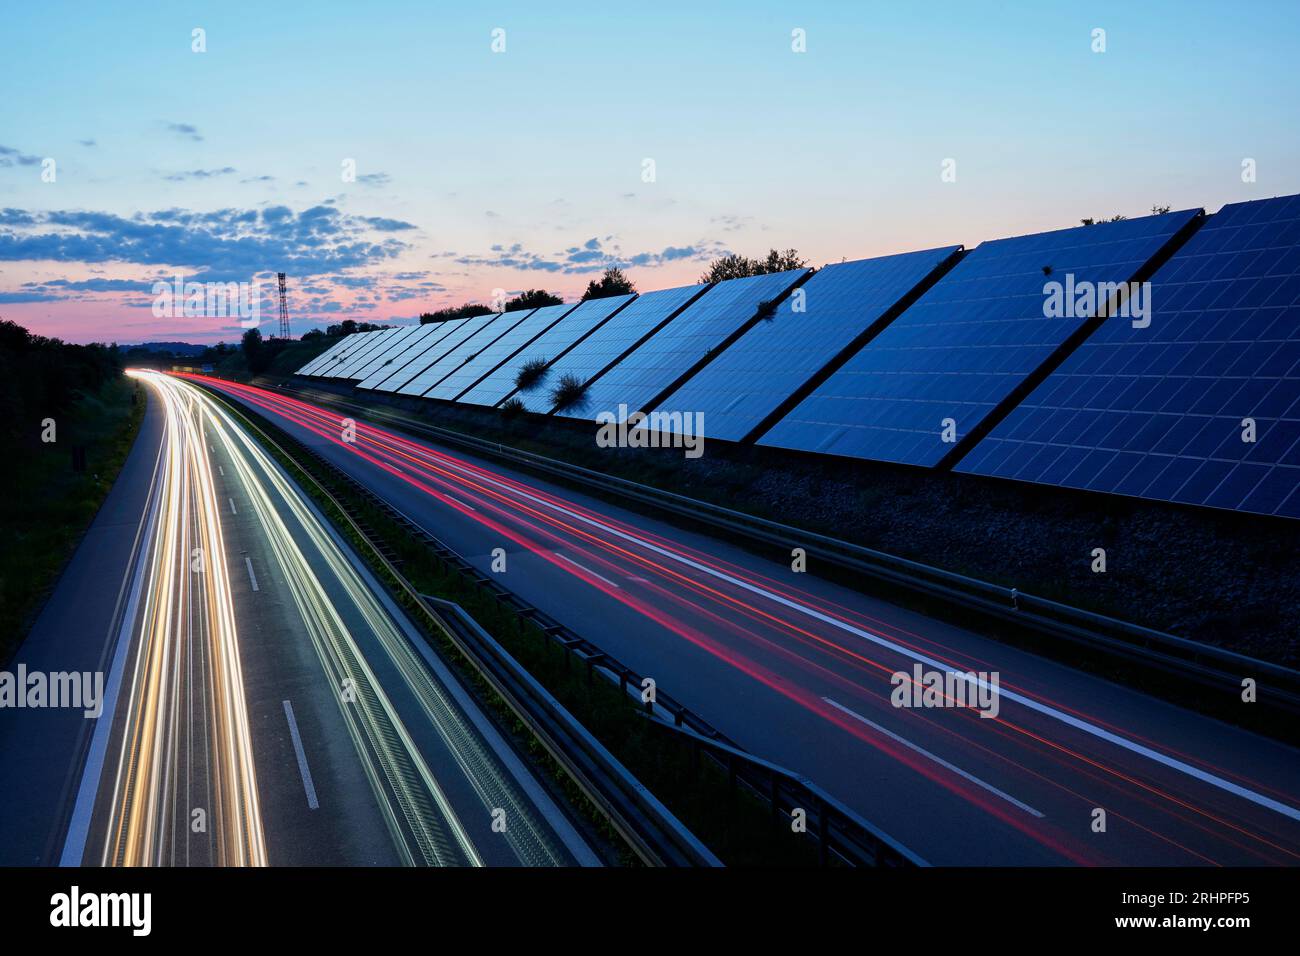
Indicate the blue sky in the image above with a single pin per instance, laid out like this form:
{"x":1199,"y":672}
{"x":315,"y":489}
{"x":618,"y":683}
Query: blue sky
{"x":479,"y":171}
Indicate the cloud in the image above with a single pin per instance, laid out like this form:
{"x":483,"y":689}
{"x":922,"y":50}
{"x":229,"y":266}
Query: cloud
{"x":375,"y":179}
{"x":593,"y":255}
{"x":228,"y":242}
{"x":185,"y":131}
{"x":199,"y":174}
{"x":88,"y":143}
{"x":11,"y":157}
{"x":258,"y":179}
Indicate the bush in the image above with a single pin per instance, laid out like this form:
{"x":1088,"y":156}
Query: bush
{"x":569,"y":391}
{"x":531,"y":374}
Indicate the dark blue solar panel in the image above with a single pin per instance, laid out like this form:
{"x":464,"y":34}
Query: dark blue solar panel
{"x":325,"y":358}
{"x":643,"y":374}
{"x":965,"y":345}
{"x":392,"y":346}
{"x":551,"y":344}
{"x":490,"y":356}
{"x":361,"y":356}
{"x":1157,"y":412}
{"x":609,"y":342}
{"x":424,"y":350}
{"x":426,"y":382}
{"x":750,"y":378}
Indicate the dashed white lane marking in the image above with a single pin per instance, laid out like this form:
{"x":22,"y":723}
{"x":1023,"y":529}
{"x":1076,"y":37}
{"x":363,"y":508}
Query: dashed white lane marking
{"x":252,"y":578}
{"x":583,"y":567}
{"x":303,"y":769}
{"x":232,"y":506}
{"x":222,"y":471}
{"x":937,"y":759}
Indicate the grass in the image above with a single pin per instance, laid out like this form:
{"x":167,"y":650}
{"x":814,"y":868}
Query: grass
{"x":47,"y":507}
{"x":733,"y":823}
{"x":569,"y":391}
{"x":531,"y":374}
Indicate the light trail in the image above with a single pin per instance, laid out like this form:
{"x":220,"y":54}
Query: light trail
{"x":186,"y":660}
{"x":691,"y":590}
{"x":335,"y":605}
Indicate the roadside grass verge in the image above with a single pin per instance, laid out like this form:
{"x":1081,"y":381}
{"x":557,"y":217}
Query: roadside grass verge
{"x":46,"y":506}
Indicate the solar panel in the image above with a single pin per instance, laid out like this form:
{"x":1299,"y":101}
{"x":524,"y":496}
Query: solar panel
{"x":1158,"y":411}
{"x":363,"y":355}
{"x":550,"y":345}
{"x":918,"y":389}
{"x":468,"y":345}
{"x":428,"y":348}
{"x":754,"y":376}
{"x":390,"y":347}
{"x":611,"y":341}
{"x":322,"y":359}
{"x":642,"y":375}
{"x":490,"y":356}
{"x":335,"y":354}
{"x":362,"y":342}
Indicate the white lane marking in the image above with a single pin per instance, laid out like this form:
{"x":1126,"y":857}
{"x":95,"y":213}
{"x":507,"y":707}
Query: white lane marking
{"x":252,"y":578}
{"x":583,"y":567}
{"x":1069,"y":719}
{"x":221,"y":470}
{"x":232,"y":506}
{"x":303,"y":769}
{"x":937,"y":759}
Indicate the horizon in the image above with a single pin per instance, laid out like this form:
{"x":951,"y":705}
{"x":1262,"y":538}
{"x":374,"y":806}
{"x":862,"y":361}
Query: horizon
{"x":481,"y":172}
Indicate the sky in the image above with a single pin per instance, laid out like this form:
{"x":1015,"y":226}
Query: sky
{"x":394,"y":158}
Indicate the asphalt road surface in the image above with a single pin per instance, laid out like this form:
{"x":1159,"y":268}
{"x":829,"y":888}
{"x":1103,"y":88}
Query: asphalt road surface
{"x":266,"y":702}
{"x":1072,"y":769}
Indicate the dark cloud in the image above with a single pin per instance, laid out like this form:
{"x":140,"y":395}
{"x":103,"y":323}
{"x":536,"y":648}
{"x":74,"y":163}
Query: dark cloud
{"x":375,"y":179}
{"x":200,"y":174}
{"x":594,"y":255}
{"x":185,"y":131}
{"x":234,"y":242}
{"x":13,"y":157}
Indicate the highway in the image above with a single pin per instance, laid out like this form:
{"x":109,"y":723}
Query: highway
{"x":267,"y":703}
{"x":1072,"y":770}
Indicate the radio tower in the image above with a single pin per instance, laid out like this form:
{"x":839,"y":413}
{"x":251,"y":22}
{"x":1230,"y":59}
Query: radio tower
{"x":284,"y":308}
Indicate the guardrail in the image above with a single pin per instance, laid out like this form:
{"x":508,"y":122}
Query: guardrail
{"x":653,"y":832}
{"x":841,"y":834}
{"x":1277,"y":687}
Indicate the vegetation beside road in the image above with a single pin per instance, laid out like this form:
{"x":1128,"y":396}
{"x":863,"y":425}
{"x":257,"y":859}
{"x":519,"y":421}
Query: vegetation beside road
{"x":77,"y":395}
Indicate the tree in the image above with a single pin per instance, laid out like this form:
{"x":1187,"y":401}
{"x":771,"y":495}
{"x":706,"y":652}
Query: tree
{"x":738,"y":267}
{"x":613,"y":282}
{"x":533,"y":299}
{"x":254,"y":349}
{"x":1156,"y":210}
{"x":465,"y":311}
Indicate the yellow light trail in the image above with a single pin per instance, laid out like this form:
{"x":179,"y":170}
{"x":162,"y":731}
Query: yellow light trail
{"x":188,"y":648}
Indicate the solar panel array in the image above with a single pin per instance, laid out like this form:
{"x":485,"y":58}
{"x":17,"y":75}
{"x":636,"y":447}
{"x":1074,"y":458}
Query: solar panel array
{"x":750,"y":379}
{"x":391,"y":345}
{"x":645,"y":372}
{"x":610,"y":342}
{"x":488,"y":358}
{"x":426,"y":348}
{"x":1001,"y":365}
{"x":324,"y":358}
{"x":463,"y":351}
{"x":1160,"y":410}
{"x":960,"y":351}
{"x":552,"y":344}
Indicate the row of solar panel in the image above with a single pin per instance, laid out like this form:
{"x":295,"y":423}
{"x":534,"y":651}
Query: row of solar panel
{"x":1190,"y":392}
